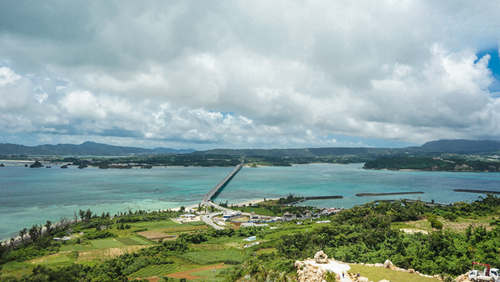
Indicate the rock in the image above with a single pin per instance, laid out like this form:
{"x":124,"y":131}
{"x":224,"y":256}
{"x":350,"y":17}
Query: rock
{"x":321,"y":257}
{"x":463,"y":278}
{"x":363,"y":279}
{"x":411,"y":270}
{"x":36,"y":164}
{"x":384,"y":280}
{"x":388,"y":264}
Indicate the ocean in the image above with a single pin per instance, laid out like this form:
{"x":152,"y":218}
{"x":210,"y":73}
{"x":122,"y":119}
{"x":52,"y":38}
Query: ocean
{"x":32,"y":196}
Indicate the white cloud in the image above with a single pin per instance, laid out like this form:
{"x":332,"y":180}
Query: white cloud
{"x":284,"y":73}
{"x":7,"y":76}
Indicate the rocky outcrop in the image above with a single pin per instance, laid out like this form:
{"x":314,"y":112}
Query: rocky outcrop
{"x":321,"y":257}
{"x":307,"y":272}
{"x":463,"y":278}
{"x":36,"y":164}
{"x":316,"y":269}
{"x":319,"y":267}
{"x":388,"y":264}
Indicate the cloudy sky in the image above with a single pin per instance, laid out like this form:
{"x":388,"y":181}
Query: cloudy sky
{"x":205,"y":74}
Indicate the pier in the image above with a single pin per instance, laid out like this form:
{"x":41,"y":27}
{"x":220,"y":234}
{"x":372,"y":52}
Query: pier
{"x":218,"y":188}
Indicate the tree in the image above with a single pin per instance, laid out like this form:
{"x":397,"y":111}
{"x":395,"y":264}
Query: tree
{"x":22,"y":233}
{"x":48,"y":227}
{"x":34,"y":233}
{"x":88,"y":214}
{"x":81,"y":213}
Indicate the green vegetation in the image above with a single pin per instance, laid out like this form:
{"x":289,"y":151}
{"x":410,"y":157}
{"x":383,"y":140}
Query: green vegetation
{"x":368,"y":233}
{"x":439,"y":163}
{"x":276,"y":207}
{"x":227,"y":256}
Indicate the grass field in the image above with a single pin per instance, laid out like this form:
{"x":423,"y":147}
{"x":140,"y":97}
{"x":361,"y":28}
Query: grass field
{"x":258,"y":210}
{"x":379,"y":273}
{"x":133,"y":240}
{"x":162,"y":224}
{"x":459,"y":225}
{"x":156,"y":270}
{"x":210,"y":274}
{"x":214,"y":256}
{"x":16,"y":269}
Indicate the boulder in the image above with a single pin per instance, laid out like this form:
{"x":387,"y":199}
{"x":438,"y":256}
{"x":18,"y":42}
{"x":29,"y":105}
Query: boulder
{"x":388,"y":264}
{"x":36,"y":164}
{"x":363,"y":279}
{"x":411,"y":270}
{"x":320,"y":257}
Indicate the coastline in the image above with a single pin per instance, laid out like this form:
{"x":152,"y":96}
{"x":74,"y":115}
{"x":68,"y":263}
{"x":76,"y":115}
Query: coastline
{"x":176,"y":208}
{"x":238,"y":204}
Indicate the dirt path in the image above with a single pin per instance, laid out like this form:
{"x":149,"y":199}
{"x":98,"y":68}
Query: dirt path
{"x":188,"y":273}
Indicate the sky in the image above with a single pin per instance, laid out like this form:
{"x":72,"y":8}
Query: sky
{"x":249,"y":74}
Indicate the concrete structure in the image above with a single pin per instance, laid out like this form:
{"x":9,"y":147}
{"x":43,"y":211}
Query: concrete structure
{"x":218,"y":188}
{"x":207,"y":200}
{"x":251,"y":224}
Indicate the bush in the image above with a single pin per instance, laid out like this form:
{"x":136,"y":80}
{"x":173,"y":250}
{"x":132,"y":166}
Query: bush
{"x":73,"y":255}
{"x":330,"y":277}
{"x":435,"y":223}
{"x":450,"y":216}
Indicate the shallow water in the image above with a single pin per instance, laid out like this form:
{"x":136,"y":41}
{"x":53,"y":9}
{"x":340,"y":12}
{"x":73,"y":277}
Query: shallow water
{"x":31,"y":196}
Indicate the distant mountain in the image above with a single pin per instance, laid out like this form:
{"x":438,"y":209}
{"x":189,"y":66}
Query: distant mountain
{"x":461,"y":146}
{"x":439,"y":146}
{"x":97,"y":149}
{"x":86,"y":148}
{"x":301,"y":153}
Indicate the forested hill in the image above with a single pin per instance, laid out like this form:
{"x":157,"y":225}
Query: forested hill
{"x":439,"y":146}
{"x":462,"y":146}
{"x":86,"y":148}
{"x":303,"y":152}
{"x":362,"y":153}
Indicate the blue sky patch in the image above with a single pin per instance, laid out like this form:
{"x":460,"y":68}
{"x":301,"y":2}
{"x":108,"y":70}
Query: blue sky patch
{"x":493,"y":65}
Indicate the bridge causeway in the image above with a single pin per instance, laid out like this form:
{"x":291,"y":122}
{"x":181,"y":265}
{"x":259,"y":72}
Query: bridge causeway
{"x":218,"y":188}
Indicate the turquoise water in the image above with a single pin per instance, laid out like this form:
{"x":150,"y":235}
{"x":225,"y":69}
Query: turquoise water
{"x":348,"y":180}
{"x":31,"y":196}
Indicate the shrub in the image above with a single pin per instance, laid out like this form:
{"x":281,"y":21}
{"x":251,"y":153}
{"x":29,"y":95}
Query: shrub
{"x":450,"y":216}
{"x":435,"y":223}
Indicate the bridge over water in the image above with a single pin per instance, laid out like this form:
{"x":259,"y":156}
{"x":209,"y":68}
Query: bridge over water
{"x":212,"y":194}
{"x":207,"y":200}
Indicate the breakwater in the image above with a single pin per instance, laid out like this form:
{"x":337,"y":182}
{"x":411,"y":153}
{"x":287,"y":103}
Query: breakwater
{"x":324,"y":197}
{"x":476,"y":191}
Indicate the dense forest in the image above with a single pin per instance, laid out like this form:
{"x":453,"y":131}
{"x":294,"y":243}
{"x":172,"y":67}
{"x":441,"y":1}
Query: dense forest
{"x":443,"y":163}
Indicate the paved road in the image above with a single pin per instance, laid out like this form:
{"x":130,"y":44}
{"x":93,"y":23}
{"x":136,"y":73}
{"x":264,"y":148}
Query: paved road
{"x":208,"y":220}
{"x":207,"y":200}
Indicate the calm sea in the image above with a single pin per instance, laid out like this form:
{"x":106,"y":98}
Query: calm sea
{"x":31,"y":196}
